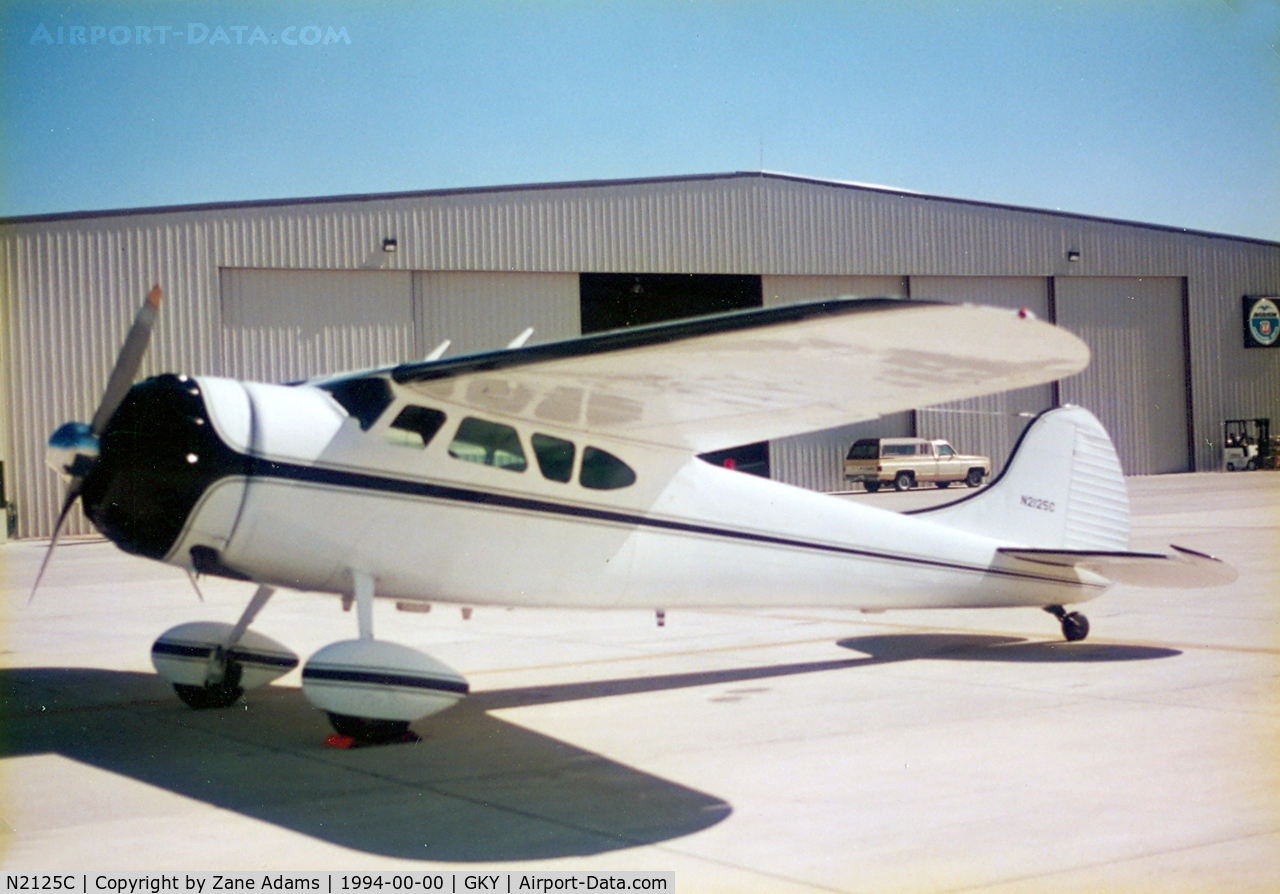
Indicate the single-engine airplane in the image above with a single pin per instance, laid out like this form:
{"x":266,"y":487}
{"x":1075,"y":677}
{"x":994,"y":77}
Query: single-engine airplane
{"x":567,"y":474}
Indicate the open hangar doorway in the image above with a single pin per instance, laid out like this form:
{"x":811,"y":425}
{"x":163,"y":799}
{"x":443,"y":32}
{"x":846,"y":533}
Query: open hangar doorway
{"x":621,"y":300}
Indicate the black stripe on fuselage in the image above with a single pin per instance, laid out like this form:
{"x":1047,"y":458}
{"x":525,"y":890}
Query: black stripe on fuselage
{"x":263,"y":468}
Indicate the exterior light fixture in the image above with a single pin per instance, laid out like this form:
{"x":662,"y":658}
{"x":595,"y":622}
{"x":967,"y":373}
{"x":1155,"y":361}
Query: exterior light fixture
{"x":1073,"y":255}
{"x":389,"y":244}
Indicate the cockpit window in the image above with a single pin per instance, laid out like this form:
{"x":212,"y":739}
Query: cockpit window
{"x":363,"y":399}
{"x":488,"y":443}
{"x":555,"y":457}
{"x":604,"y":471}
{"x":414,"y":426}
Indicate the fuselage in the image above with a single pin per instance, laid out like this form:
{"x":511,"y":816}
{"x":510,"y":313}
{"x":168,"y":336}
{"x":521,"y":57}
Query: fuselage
{"x":297,"y":486}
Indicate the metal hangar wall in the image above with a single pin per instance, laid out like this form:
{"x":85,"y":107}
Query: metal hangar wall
{"x":279,"y":290}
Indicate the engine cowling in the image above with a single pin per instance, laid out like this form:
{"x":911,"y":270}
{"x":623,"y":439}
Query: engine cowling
{"x":380,"y":681}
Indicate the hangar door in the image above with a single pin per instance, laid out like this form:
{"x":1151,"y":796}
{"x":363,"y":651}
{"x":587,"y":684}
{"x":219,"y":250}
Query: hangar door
{"x":483,"y":310}
{"x":988,"y":425}
{"x":1136,"y":383}
{"x":285,"y":325}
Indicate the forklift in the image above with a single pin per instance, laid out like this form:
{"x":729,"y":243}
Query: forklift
{"x":1246,"y":444}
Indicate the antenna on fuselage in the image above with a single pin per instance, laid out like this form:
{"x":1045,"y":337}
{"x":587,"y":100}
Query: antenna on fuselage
{"x":438,"y":351}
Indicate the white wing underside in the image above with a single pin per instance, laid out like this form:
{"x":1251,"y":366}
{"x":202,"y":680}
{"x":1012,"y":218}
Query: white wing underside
{"x":739,"y":378}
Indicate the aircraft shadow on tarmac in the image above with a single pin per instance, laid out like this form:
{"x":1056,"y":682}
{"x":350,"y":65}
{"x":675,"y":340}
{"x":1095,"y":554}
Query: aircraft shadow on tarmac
{"x":475,"y":789}
{"x":987,"y":647}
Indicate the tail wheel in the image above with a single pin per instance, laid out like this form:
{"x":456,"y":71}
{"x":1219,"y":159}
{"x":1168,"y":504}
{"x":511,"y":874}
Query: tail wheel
{"x":1075,"y":627}
{"x":903,"y":481}
{"x":974,"y":478}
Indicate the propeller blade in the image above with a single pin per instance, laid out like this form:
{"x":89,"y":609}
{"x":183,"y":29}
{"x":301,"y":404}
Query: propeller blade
{"x":73,"y":492}
{"x":128,"y":362}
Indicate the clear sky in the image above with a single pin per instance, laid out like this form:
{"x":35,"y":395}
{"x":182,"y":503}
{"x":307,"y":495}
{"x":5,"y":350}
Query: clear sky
{"x":1165,"y":112}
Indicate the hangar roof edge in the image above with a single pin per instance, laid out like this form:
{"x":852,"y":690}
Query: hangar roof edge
{"x":587,"y":184}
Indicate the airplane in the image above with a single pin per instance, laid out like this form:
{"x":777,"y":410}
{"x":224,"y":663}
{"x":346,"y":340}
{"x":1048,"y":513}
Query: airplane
{"x":568,"y":474}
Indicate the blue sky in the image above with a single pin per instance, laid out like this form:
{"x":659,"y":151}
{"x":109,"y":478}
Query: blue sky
{"x":1166,"y":112}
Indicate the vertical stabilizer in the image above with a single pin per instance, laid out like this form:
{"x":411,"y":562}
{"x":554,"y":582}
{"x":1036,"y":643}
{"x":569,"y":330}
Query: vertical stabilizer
{"x":1062,"y":488}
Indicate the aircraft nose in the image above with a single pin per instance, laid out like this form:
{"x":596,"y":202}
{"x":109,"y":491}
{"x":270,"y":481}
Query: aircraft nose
{"x":157,"y":456}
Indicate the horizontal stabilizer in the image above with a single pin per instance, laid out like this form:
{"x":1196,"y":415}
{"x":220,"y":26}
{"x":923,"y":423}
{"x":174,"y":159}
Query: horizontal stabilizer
{"x":1185,"y":568}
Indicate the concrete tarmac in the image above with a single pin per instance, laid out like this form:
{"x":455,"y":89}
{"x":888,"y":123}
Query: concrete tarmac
{"x":743,"y":751}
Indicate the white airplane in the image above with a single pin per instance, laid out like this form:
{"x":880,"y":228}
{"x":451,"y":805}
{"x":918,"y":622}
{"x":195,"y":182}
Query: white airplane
{"x":567,"y":474}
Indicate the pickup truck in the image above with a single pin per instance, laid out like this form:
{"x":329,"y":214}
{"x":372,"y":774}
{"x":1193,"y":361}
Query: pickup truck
{"x":906,"y":462}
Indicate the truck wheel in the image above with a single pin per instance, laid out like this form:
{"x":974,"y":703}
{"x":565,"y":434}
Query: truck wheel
{"x":871,"y":486}
{"x":902,"y":481}
{"x":942,"y":483}
{"x":1251,"y":465}
{"x":974,"y":478}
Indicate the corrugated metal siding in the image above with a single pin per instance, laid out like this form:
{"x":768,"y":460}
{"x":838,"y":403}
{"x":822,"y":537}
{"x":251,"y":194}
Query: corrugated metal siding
{"x":285,"y":325}
{"x":72,"y":285}
{"x":71,"y":290}
{"x":990,"y":425}
{"x":1135,"y":384}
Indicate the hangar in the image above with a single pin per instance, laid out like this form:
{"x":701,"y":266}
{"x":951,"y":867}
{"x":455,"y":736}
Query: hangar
{"x":284,"y":289}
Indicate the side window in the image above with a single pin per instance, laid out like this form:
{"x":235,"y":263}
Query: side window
{"x":488,"y":443}
{"x":414,"y":427}
{"x":944,"y":450}
{"x":604,"y":471}
{"x":554,"y":455}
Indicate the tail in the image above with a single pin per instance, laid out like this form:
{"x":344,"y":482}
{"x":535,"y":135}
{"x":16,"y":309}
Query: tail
{"x":1062,"y":488}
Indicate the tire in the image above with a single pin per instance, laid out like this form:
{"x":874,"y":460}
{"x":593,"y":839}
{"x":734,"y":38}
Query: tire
{"x":974,"y":478}
{"x":903,"y":481}
{"x":1075,"y":627}
{"x":1251,"y":465}
{"x":202,"y":698}
{"x":368,"y":730}
{"x":942,"y":483}
{"x":871,"y":486}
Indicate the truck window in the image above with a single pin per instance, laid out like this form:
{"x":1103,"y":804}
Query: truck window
{"x":865,"y":449}
{"x":945,"y":450}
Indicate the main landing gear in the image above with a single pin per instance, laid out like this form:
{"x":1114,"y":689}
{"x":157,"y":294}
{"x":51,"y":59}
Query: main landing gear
{"x":211,"y":664}
{"x":371,"y":689}
{"x":1075,"y":626}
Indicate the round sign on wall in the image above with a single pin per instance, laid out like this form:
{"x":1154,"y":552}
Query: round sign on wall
{"x":1261,"y":322}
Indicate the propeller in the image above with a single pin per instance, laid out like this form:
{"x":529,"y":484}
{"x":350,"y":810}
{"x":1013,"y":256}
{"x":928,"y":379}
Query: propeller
{"x":73,"y":448}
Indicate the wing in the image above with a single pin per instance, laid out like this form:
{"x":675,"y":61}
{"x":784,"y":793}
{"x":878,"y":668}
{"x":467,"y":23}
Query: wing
{"x":1185,"y":568}
{"x":719,"y":381}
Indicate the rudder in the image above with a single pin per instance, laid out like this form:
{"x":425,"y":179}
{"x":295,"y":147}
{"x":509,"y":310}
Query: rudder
{"x":1062,"y":488}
